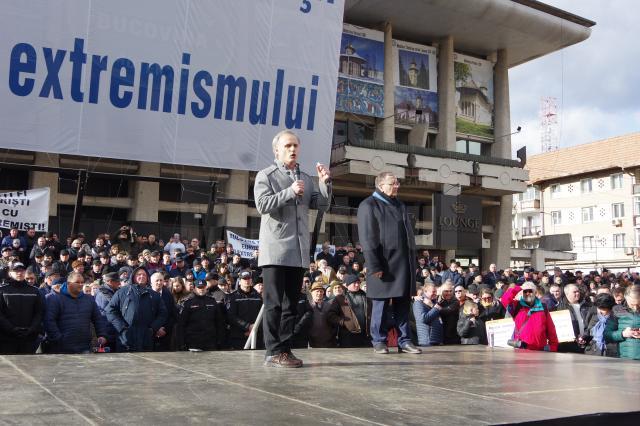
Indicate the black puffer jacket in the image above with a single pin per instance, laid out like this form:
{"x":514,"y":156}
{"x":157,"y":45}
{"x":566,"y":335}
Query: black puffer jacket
{"x":202,"y":323}
{"x":242,"y":311}
{"x":20,"y":307}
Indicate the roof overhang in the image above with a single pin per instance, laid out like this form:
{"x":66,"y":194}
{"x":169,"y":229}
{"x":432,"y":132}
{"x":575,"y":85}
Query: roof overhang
{"x":527,"y":29}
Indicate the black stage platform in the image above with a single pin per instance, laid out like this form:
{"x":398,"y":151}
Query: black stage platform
{"x":464,"y":385}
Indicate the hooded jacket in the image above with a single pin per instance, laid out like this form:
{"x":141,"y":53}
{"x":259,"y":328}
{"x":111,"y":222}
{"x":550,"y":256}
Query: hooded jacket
{"x":137,"y":313}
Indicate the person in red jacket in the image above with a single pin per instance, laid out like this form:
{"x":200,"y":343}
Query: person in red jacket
{"x":533,"y":324}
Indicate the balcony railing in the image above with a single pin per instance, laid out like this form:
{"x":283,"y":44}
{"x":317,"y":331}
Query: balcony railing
{"x":531,"y":231}
{"x":533,"y":204}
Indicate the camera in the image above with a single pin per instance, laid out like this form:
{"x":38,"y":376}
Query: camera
{"x":517,"y":343}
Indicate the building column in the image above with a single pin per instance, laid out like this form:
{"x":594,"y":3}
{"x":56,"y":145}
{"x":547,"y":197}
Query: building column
{"x":145,"y":195}
{"x":501,"y":147}
{"x":538,"y":260}
{"x":237,"y":188}
{"x":500,"y":251}
{"x":446,"y":138}
{"x":388,"y":123}
{"x":46,"y":179}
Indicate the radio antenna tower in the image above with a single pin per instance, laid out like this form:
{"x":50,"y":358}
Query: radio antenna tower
{"x":548,"y":124}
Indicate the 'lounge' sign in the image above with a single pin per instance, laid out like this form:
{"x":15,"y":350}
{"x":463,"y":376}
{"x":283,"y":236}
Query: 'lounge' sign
{"x":458,"y":222}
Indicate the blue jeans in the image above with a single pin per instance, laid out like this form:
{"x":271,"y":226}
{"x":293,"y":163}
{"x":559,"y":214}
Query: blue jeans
{"x":385,"y":315}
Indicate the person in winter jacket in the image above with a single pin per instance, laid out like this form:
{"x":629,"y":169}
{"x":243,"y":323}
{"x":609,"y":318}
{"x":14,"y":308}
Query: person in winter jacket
{"x":321,"y":319}
{"x":21,"y":310}
{"x":449,"y":312}
{"x":137,"y":313}
{"x":470,"y":328}
{"x":580,"y":310}
{"x":426,"y":311}
{"x":600,"y":315}
{"x":110,"y":284}
{"x":491,"y":309}
{"x":624,"y":328}
{"x":533,"y":324}
{"x":201,"y":321}
{"x":68,"y":318}
{"x":243,"y":306}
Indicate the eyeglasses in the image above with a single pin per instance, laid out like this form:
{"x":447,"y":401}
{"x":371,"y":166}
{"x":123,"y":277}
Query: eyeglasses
{"x":527,"y":291}
{"x":487,"y":298}
{"x":459,"y":291}
{"x":396,"y":183}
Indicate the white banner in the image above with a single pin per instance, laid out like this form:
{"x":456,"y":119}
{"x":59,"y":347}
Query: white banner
{"x":499,"y":332}
{"x":206,"y":83}
{"x":242,"y":246}
{"x":25,"y":209}
{"x":564,"y":326}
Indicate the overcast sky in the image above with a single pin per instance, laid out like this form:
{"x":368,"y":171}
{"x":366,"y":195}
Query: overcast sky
{"x":596,"y":82}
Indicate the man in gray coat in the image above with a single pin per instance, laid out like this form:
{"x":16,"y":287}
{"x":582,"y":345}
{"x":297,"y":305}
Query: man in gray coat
{"x":389,"y":248}
{"x":283,"y":196}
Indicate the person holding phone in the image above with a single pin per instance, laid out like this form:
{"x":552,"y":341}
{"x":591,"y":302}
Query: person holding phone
{"x":624,"y":327}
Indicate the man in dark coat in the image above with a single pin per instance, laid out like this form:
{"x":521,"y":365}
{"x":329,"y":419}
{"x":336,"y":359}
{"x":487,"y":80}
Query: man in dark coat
{"x":321,"y":319}
{"x":354,"y":306}
{"x":110,"y":284}
{"x":21,"y":310}
{"x":202,"y":321}
{"x":138,"y":314}
{"x":388,"y":245}
{"x":243,"y":306}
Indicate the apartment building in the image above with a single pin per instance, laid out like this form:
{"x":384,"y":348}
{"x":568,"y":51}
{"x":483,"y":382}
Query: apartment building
{"x":591,"y":192}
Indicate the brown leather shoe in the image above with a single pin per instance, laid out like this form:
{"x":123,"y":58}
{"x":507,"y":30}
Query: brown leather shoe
{"x":283,"y":360}
{"x":295,"y":358}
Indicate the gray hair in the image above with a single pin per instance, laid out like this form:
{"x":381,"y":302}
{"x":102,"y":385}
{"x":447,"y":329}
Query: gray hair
{"x":276,"y":139}
{"x":156,"y":274}
{"x":381,"y":176}
{"x":570,"y":287}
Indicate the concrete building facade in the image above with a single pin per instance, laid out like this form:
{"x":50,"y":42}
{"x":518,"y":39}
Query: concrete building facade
{"x":427,"y":159}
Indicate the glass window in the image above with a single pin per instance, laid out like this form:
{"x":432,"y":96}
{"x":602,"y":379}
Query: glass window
{"x":555,"y":190}
{"x":617,"y":210}
{"x":587,"y":214}
{"x":586,"y":185}
{"x":339,"y":132}
{"x":468,"y":147}
{"x":474,"y":148}
{"x":636,"y":206}
{"x":637,"y":237}
{"x":616,"y":181}
{"x":618,"y":240}
{"x":556,"y":217}
{"x":587,"y":242}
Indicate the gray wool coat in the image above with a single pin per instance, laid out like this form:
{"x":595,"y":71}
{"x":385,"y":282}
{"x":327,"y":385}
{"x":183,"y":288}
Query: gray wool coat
{"x":284,"y":222}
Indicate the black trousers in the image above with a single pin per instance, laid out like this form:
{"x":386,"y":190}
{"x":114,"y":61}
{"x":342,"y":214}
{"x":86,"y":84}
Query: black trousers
{"x":280,"y":297}
{"x":18,"y":345}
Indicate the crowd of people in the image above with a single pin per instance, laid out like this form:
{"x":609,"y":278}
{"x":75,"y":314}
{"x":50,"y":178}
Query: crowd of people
{"x":137,"y":293}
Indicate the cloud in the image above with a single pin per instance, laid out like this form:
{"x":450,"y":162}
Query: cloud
{"x":595,"y":82}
